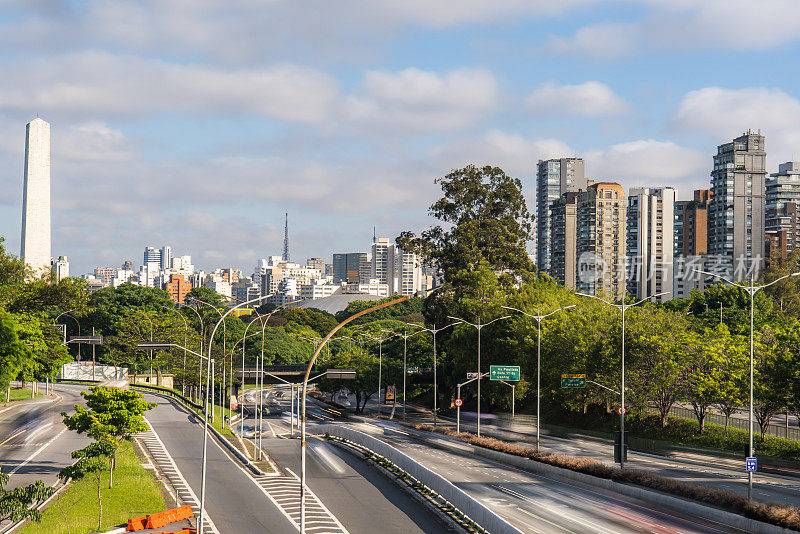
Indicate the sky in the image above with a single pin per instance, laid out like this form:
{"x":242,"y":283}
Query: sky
{"x":199,"y":123}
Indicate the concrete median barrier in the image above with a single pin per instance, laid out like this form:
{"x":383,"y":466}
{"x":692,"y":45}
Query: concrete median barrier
{"x":466,"y":504}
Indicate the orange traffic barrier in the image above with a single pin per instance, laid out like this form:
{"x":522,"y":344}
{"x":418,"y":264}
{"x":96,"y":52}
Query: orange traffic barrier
{"x":160,"y":519}
{"x":136,"y":523}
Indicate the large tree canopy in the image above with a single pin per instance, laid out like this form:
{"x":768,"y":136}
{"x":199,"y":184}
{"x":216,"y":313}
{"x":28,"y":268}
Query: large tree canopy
{"x":486,"y":220}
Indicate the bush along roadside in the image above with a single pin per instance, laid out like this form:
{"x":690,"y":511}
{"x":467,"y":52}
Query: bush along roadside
{"x":776,"y":514}
{"x":431,"y":496}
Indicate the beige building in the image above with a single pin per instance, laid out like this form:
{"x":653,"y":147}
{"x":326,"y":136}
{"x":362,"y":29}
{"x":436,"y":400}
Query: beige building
{"x":600,"y":247}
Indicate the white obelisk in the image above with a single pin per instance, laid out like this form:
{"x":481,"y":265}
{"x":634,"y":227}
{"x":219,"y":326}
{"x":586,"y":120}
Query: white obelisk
{"x":36,"y":197}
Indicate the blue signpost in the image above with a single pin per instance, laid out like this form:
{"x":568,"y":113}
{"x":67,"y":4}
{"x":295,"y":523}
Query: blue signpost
{"x":751,"y":463}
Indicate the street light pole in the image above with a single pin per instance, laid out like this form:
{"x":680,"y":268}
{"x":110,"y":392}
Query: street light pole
{"x":303,"y":400}
{"x":434,"y":331}
{"x":185,"y":342}
{"x":751,"y":290}
{"x":538,"y":317}
{"x":622,"y":307}
{"x":224,"y":336}
{"x":205,"y":436}
{"x":202,"y":339}
{"x":479,"y":327}
{"x":405,"y":335}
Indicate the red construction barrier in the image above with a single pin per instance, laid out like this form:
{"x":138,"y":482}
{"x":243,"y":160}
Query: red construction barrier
{"x":136,"y":523}
{"x":160,"y":519}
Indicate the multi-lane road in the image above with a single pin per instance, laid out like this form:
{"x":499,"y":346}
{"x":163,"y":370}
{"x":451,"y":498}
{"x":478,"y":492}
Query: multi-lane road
{"x":346,"y":494}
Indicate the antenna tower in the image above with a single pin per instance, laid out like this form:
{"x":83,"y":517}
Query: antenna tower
{"x":286,"y":239}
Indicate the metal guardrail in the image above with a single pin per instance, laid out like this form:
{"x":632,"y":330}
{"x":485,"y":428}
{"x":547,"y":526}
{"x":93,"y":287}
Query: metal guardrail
{"x":466,"y":504}
{"x":159,"y":389}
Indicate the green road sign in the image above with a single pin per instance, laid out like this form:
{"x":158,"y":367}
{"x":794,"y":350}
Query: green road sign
{"x":573,"y":381}
{"x":504,"y":372}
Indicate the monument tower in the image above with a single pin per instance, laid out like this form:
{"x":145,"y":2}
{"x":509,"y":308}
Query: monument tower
{"x":36,"y":197}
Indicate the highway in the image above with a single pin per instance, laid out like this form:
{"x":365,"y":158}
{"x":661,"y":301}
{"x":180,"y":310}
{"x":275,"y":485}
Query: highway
{"x":712,"y":471}
{"x":536,"y":503}
{"x":344,"y":482}
{"x":34,"y":443}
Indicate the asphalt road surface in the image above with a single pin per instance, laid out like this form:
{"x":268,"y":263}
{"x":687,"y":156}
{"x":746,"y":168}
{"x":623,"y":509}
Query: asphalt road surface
{"x":536,"y":503}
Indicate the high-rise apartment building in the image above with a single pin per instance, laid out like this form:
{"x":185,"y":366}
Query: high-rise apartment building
{"x":166,"y":257}
{"x":178,"y":287}
{"x":105,"y":274}
{"x":554,"y":177}
{"x":61,"y":268}
{"x":601,"y":240}
{"x":650,"y":241}
{"x":383,"y":265}
{"x":782,"y":220}
{"x":152,"y":255}
{"x":409,"y":277}
{"x":563,"y":239}
{"x":736,"y":210}
{"x":352,"y":268}
{"x":35,"y":246}
{"x":691,"y":238}
{"x":316,"y":263}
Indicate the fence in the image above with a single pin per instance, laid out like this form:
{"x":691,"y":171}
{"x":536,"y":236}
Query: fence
{"x":777,"y":431}
{"x":524,"y":423}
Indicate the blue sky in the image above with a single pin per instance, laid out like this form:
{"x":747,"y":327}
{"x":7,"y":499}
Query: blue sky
{"x":197,"y":123}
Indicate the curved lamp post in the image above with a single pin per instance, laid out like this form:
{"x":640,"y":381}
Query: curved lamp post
{"x":202,"y":338}
{"x":205,"y":434}
{"x":149,"y":320}
{"x":405,"y":335}
{"x":224,"y":336}
{"x":185,"y":339}
{"x":68,"y":314}
{"x":538,"y":317}
{"x":305,"y":391}
{"x":622,"y":308}
{"x":751,"y":290}
{"x":479,"y":326}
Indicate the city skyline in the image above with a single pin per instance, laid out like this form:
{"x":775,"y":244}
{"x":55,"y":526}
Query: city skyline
{"x":147,"y":149}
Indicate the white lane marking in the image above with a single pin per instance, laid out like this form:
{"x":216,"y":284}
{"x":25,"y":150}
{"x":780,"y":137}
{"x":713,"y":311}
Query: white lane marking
{"x":164,"y":455}
{"x":36,"y":453}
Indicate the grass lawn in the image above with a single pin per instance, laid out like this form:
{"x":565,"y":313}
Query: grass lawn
{"x":135,"y":493}
{"x":18,"y":394}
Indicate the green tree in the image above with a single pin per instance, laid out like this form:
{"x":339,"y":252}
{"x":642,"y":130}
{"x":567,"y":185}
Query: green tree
{"x":20,"y":503}
{"x":112,"y":415}
{"x":319,"y":321}
{"x":15,"y":354}
{"x":487,"y":219}
{"x":92,"y":462}
{"x":12,"y":274}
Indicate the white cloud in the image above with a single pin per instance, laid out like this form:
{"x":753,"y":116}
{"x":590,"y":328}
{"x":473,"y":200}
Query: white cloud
{"x":726,"y":113}
{"x":453,"y":12}
{"x":603,"y":41}
{"x":591,"y":99}
{"x":102,"y":84}
{"x":91,"y":141}
{"x":413,"y":99}
{"x":726,"y":24}
{"x":650,"y":163}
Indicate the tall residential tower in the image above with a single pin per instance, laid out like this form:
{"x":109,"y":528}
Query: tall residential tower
{"x":736,"y":210}
{"x":554,"y":178}
{"x":35,"y":250}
